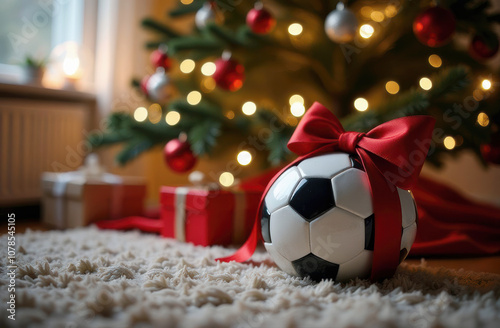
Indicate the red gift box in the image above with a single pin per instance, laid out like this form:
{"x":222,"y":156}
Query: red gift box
{"x":204,"y":216}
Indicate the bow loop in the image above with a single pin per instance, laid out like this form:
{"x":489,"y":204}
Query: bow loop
{"x":349,"y":140}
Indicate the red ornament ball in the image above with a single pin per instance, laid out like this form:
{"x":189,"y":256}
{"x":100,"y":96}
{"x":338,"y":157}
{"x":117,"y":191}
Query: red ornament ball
{"x":178,"y":156}
{"x":260,"y":21}
{"x":160,"y":58}
{"x":144,"y":84}
{"x":229,"y":74}
{"x":435,"y":26}
{"x":484,"y":46}
{"x":491,"y":153}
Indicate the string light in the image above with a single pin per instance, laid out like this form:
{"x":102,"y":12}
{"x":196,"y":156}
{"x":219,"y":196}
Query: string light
{"x":435,"y":61}
{"x":140,"y":114}
{"x":449,"y":142}
{"x":244,"y":157}
{"x":172,"y":118}
{"x":366,"y":31}
{"x":226,"y":179}
{"x":249,"y":108}
{"x":292,"y":120}
{"x":483,"y":119}
{"x":391,"y":11}
{"x":366,"y":11}
{"x":230,"y":114}
{"x":296,"y":99}
{"x":377,"y":16}
{"x":361,"y":104}
{"x":295,"y":29}
{"x":486,"y":84}
{"x":154,"y":113}
{"x":186,"y":2}
{"x":425,"y":83}
{"x":297,"y":109}
{"x":392,"y":87}
{"x":194,"y":98}
{"x":187,"y":66}
{"x":208,"y":69}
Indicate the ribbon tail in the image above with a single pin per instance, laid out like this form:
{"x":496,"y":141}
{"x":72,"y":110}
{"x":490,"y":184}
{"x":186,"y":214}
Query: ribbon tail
{"x":246,"y":251}
{"x":387,"y":213}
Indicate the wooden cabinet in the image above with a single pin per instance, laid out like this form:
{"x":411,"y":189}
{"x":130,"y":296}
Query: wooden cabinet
{"x":40,"y":130}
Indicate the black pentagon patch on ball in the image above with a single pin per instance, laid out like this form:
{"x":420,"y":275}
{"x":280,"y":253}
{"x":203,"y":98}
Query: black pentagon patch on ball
{"x":316,"y":268}
{"x":265,"y":218}
{"x":312,"y":197}
{"x":369,"y":232}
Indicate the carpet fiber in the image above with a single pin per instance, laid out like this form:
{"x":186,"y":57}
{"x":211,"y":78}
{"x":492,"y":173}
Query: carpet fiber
{"x":91,"y":278}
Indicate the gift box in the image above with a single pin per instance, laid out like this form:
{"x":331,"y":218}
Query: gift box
{"x":75,"y":199}
{"x":206,"y":216}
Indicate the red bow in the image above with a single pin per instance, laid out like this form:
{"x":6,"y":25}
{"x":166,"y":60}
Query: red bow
{"x":392,"y":155}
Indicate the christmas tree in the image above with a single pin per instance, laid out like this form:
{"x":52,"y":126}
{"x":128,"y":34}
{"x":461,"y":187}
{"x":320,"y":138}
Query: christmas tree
{"x":241,"y":80}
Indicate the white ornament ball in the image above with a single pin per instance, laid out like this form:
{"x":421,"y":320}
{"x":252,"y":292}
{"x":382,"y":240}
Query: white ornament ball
{"x":158,"y":86}
{"x":317,"y":219}
{"x":341,"y":25}
{"x":205,"y":15}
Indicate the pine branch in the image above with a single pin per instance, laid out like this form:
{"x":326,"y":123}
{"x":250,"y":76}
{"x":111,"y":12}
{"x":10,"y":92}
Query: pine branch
{"x":196,"y":43}
{"x":156,"y":26}
{"x":133,"y":149}
{"x":224,"y":35}
{"x":200,"y":111}
{"x":203,"y":136}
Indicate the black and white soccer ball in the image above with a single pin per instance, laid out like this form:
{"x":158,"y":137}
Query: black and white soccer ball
{"x":317,"y":219}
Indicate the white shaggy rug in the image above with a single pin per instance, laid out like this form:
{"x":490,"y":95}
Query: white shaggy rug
{"x":92,"y":278}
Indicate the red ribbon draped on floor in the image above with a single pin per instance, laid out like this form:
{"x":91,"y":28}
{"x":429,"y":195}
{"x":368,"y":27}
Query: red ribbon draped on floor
{"x":392,"y":155}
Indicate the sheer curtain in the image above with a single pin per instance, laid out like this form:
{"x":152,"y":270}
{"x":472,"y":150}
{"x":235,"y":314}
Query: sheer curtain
{"x":119,"y":56}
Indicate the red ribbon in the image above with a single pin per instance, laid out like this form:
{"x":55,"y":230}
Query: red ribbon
{"x":392,"y":155}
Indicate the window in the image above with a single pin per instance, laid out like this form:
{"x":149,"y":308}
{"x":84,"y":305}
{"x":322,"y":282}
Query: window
{"x":33,"y":28}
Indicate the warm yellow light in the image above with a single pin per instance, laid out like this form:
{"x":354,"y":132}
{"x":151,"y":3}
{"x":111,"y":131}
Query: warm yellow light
{"x":486,"y":84}
{"x":366,"y":31}
{"x":361,"y":104}
{"x":70,"y":65}
{"x":449,"y":142}
{"x":186,"y":2}
{"x":140,"y":114}
{"x":295,"y":29}
{"x":435,"y":61}
{"x":172,"y":118}
{"x":226,"y":179}
{"x":478,"y":95}
{"x":425,"y":83}
{"x":187,"y":66}
{"x":154,"y":113}
{"x":392,"y":87}
{"x":249,"y":108}
{"x":230,"y":114}
{"x":207,"y":85}
{"x":244,"y":157}
{"x":194,"y":98}
{"x":296,"y":99}
{"x":483,"y":119}
{"x":297,"y":109}
{"x":208,"y":69}
{"x":377,"y":16}
{"x":391,"y":11}
{"x":366,"y":11}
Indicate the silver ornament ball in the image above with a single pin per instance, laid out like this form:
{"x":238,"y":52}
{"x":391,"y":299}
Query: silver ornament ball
{"x":205,"y":15}
{"x":159,"y":87}
{"x":341,"y":25}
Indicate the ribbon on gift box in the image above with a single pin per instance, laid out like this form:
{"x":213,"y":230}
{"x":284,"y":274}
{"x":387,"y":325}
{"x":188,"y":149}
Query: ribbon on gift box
{"x":387,"y":153}
{"x":198,"y":181}
{"x":91,"y":171}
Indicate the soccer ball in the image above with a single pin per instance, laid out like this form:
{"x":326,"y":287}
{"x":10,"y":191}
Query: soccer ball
{"x":317,"y":219}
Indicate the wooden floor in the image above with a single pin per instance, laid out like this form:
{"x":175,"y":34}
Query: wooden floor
{"x":478,"y":264}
